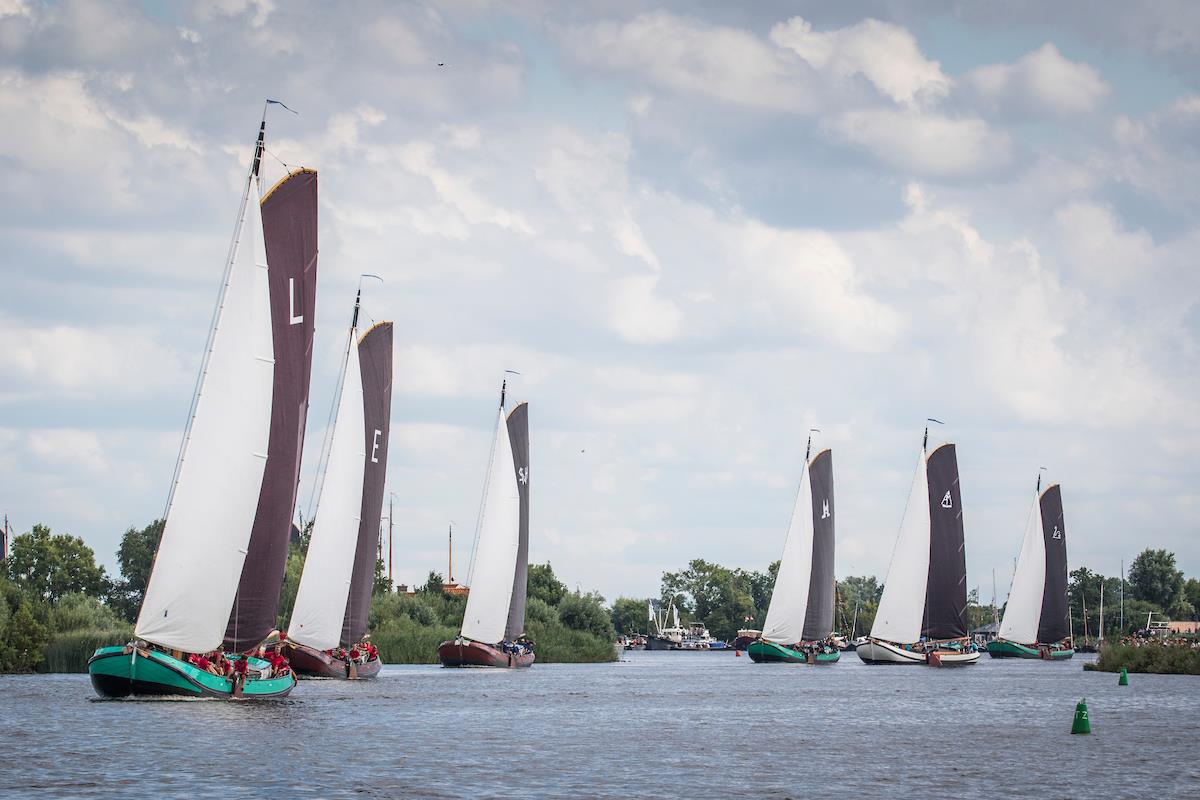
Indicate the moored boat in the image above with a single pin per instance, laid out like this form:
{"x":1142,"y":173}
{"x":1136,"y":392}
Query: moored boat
{"x":922,"y":614}
{"x":216,"y":577}
{"x":799,"y":623}
{"x":1035,"y":623}
{"x":493,"y":627}
{"x":325,"y":637}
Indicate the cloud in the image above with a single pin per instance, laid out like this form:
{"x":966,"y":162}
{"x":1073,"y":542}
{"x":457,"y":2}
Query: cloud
{"x":925,"y":144}
{"x":639,"y":315}
{"x":1042,"y":82}
{"x":885,"y":54}
{"x":687,"y":55}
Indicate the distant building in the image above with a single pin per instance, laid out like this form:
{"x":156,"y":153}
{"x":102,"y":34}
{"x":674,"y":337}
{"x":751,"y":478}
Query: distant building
{"x":1184,"y":626}
{"x":986,"y":633}
{"x":456,"y":588}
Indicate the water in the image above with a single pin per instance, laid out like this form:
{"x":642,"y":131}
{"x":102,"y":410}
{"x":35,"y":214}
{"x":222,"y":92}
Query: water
{"x":656,"y":724}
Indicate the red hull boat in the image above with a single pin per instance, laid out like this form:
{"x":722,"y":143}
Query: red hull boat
{"x":463,"y":653}
{"x":313,"y":663}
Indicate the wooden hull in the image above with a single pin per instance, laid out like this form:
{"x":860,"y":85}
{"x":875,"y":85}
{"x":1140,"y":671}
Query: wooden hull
{"x":762,"y":652}
{"x":140,"y":672}
{"x":1002,"y":648}
{"x":308,"y":662}
{"x":877,"y":651}
{"x":463,"y":653}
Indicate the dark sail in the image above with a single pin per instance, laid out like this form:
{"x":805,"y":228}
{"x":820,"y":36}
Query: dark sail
{"x":289,"y":215}
{"x":1053,"y":626}
{"x":818,"y":619}
{"x":375,"y":359}
{"x":946,"y":586}
{"x":518,"y":434}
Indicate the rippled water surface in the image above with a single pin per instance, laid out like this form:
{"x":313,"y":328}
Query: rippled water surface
{"x":656,"y":724}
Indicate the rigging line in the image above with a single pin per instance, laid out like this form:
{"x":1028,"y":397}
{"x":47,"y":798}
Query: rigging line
{"x":286,"y":165}
{"x":487,"y":479}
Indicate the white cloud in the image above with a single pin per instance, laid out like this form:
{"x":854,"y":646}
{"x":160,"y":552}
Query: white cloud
{"x":885,"y":54}
{"x":925,"y":144}
{"x":1041,"y":82}
{"x":639,"y":314}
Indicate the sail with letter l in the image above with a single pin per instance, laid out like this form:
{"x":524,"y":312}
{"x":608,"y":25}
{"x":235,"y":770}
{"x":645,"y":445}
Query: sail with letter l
{"x":206,"y":533}
{"x":497,"y":544}
{"x":289,"y":224}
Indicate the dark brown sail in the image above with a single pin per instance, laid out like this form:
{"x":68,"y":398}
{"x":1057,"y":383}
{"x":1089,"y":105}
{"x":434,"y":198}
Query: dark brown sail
{"x":1053,"y":625}
{"x":375,"y":361}
{"x":289,"y":215}
{"x":946,"y":586}
{"x":518,"y":434}
{"x":818,"y":618}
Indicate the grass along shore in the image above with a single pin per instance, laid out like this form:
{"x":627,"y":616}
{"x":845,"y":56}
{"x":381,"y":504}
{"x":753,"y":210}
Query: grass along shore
{"x":1155,"y":659}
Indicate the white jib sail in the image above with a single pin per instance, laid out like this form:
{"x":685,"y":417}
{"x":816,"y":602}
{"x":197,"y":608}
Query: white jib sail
{"x":320,"y":607}
{"x":1023,"y":614}
{"x":495,"y":562}
{"x":199,"y":562}
{"x":902,"y":606}
{"x":789,"y":598}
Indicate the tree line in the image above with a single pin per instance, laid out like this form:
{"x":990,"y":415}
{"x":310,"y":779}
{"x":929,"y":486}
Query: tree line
{"x":726,"y":600}
{"x":57,"y":605}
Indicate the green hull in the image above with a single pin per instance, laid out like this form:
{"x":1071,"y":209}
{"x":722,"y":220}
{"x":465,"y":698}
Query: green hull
{"x":119,"y":672}
{"x":761,"y":652}
{"x":1000,"y":648}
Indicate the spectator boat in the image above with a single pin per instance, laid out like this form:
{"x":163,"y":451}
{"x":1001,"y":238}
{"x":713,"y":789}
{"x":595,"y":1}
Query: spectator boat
{"x":220,"y":560}
{"x":1035,"y":623}
{"x":493,"y":627}
{"x":800,"y":615}
{"x":333,"y":600}
{"x":922,"y":613}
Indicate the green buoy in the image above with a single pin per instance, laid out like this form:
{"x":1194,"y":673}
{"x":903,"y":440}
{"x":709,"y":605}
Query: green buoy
{"x":1081,"y":724}
{"x":1124,"y":679}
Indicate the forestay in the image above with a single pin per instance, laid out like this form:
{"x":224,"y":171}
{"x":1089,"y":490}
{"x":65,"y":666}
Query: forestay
{"x":902,"y":605}
{"x":789,"y":598}
{"x":325,"y":583}
{"x":1024,"y":608}
{"x":207,"y":530}
{"x":496,"y":549}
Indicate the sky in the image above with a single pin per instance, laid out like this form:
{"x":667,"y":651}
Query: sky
{"x":697,"y":230}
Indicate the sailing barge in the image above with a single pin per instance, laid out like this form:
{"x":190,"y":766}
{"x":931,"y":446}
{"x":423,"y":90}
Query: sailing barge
{"x":800,"y":615}
{"x":922,"y":616}
{"x":493,"y":627}
{"x":333,"y":600}
{"x":220,"y":562}
{"x":1035,"y":623}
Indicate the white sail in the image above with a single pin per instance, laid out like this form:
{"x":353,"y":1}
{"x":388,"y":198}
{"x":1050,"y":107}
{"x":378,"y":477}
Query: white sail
{"x":495,"y":562}
{"x":320,"y":607}
{"x":789,"y":598}
{"x":1023,"y":614}
{"x":199,"y":561}
{"x":903,"y":603}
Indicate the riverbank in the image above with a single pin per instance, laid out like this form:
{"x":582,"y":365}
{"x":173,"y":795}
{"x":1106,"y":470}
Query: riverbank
{"x":1156,"y":659}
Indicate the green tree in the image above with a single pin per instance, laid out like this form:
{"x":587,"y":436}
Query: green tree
{"x":585,"y":612}
{"x":543,"y":584}
{"x":1191,"y":592}
{"x":629,"y":616}
{"x":433,"y":584}
{"x":1154,"y":578}
{"x":382,"y":583}
{"x":135,"y":557}
{"x":719,"y":597}
{"x":24,"y":638}
{"x":47,"y":566}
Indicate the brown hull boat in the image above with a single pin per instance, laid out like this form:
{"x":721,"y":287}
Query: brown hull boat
{"x":312,"y":663}
{"x":463,"y":653}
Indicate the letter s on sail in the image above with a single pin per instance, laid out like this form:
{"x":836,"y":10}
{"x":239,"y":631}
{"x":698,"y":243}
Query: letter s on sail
{"x":295,"y":320}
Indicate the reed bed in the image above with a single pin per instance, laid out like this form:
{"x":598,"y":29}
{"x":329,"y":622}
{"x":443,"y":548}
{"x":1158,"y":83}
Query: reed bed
{"x":1158,"y":659}
{"x":70,"y":651}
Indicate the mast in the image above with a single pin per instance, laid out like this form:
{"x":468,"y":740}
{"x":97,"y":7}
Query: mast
{"x":1100,"y":641}
{"x":1122,"y":630}
{"x":450,"y":566}
{"x":391,"y":497}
